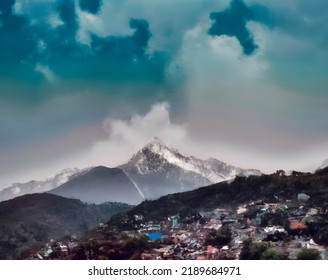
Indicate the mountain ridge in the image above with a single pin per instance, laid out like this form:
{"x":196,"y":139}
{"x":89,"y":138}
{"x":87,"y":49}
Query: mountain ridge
{"x":154,"y":171}
{"x":101,"y":184}
{"x":171,"y":171}
{"x":40,"y":186}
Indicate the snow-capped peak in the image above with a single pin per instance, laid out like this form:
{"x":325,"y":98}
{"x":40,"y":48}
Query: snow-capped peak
{"x":157,"y":141}
{"x":158,"y":146}
{"x":156,"y":155}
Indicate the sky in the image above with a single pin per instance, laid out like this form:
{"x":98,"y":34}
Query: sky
{"x":89,"y":82}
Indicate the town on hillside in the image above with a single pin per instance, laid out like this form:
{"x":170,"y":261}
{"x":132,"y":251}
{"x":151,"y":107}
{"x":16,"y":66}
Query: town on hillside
{"x":256,"y":230}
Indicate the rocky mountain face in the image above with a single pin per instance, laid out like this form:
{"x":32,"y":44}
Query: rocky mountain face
{"x":101,"y":184}
{"x":159,"y":170}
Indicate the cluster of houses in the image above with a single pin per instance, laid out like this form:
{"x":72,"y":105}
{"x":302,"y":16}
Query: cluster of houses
{"x":178,"y":240}
{"x":55,"y":250}
{"x":283,"y":226}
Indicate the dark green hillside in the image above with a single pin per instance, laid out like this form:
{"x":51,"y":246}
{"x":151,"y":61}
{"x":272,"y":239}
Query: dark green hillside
{"x":33,"y":219}
{"x":271,"y":188}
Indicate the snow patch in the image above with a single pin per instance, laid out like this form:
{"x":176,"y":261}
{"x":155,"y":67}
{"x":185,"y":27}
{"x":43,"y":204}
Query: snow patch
{"x":138,"y":189}
{"x":212,"y":169}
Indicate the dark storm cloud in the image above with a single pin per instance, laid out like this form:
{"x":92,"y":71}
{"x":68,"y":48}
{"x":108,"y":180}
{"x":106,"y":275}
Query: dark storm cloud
{"x":15,"y":43}
{"x":88,"y":77}
{"x":112,"y":59}
{"x":67,"y":14}
{"x":91,"y":6}
{"x":127,"y":55}
{"x":63,"y":71}
{"x":62,"y":53}
{"x":232,"y":22}
{"x":106,"y":61}
{"x":6,"y":6}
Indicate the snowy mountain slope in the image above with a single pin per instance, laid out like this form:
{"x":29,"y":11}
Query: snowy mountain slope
{"x":160,"y":170}
{"x":324,"y":164}
{"x":18,"y":189}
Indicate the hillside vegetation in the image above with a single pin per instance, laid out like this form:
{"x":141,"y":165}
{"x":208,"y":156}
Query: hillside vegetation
{"x":33,"y":219}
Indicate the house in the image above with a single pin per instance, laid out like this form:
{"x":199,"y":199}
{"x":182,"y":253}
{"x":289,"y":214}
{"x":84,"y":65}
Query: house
{"x":297,"y":228}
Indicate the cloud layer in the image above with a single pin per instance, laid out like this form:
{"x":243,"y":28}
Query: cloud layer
{"x":248,"y":78}
{"x":125,"y":137}
{"x":233,"y":22}
{"x":33,"y":52}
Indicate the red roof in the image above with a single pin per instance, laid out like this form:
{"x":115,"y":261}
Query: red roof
{"x":297,"y":225}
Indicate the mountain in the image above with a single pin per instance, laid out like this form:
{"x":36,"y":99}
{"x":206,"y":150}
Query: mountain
{"x":324,"y":164}
{"x":159,"y":170}
{"x":154,"y":171}
{"x":101,"y":184}
{"x":33,"y":219}
{"x":19,"y":189}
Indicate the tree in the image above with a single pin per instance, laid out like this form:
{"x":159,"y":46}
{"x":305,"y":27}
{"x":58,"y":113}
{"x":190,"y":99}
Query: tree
{"x":252,"y":251}
{"x":321,"y":237}
{"x":278,"y":218}
{"x":251,"y":213}
{"x":272,"y":254}
{"x":309,"y":254}
{"x":80,"y":253}
{"x":219,"y":237}
{"x":259,"y":251}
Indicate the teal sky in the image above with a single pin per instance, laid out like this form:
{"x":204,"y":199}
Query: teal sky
{"x":86,"y":82}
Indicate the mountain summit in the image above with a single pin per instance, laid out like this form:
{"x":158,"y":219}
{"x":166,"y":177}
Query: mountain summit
{"x":160,"y":170}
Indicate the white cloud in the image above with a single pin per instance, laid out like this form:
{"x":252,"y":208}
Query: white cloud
{"x":41,"y":46}
{"x":143,"y":128}
{"x":18,"y":8}
{"x":47,"y":73}
{"x":54,"y":20}
{"x":217,"y":60}
{"x":236,"y":103}
{"x":125,"y":137}
{"x":168,"y":19}
{"x":89,"y":23}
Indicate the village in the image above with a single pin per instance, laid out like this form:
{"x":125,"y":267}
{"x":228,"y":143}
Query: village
{"x":190,"y":241}
{"x":222,"y":233}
